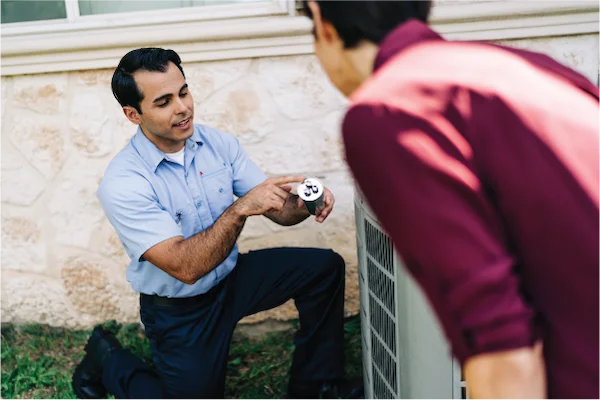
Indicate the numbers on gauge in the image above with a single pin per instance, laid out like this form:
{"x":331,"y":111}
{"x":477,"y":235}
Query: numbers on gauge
{"x":309,"y":187}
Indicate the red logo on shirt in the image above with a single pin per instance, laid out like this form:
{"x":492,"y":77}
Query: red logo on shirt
{"x":201,"y":173}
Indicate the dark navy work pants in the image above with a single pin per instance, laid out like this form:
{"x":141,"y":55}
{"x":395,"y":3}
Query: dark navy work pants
{"x":190,"y":343}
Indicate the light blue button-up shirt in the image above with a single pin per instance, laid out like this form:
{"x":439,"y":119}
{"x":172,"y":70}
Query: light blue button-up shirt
{"x":149,"y":199}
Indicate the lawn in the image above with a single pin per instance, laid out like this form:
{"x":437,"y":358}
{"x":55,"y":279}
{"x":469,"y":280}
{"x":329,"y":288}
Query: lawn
{"x":38,"y":360}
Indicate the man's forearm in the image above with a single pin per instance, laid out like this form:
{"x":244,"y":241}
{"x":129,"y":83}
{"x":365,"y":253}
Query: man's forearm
{"x":204,"y":251}
{"x":518,"y":373}
{"x":190,"y":259}
{"x":290,"y":214}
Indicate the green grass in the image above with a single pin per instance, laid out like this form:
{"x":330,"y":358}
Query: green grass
{"x":38,"y":360}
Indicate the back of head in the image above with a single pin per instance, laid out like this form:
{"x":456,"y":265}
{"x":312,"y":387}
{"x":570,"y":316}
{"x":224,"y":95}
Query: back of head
{"x":123,"y":85}
{"x":368,"y":20}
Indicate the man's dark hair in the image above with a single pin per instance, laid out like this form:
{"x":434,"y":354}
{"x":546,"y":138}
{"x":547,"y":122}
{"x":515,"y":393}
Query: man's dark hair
{"x":123,"y":85}
{"x":369,"y":20}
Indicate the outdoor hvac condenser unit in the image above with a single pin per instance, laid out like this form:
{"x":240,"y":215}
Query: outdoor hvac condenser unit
{"x":405,"y":354}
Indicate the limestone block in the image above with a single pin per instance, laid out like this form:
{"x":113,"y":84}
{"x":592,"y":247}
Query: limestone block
{"x":92,"y":285}
{"x":30,"y":298}
{"x":74,"y":210}
{"x":88,"y":287}
{"x":43,"y":93}
{"x":105,"y":242}
{"x":579,"y":52}
{"x":304,"y":148}
{"x":99,"y":127}
{"x":257,"y":227}
{"x":40,"y":141}
{"x":292,"y":237}
{"x":243,"y":109}
{"x":6,"y":86}
{"x":206,"y":78}
{"x":120,"y":128}
{"x":90,"y":132}
{"x":128,"y":302}
{"x":109,"y":266}
{"x":21,"y":183}
{"x":282,"y":313}
{"x":97,"y":77}
{"x":299,"y":86}
{"x":23,"y":242}
{"x":98,"y":124}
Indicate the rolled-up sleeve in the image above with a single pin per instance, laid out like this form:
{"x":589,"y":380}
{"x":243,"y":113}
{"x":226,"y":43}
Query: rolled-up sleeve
{"x":422,"y":186}
{"x":132,"y":208}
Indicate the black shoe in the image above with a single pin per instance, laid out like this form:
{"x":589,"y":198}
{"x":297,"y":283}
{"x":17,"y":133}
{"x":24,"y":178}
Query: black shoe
{"x":337,"y":389}
{"x":87,"y":378}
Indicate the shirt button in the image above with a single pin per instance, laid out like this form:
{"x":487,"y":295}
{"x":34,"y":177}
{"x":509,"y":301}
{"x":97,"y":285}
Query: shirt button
{"x":198,"y":204}
{"x":221,"y":190}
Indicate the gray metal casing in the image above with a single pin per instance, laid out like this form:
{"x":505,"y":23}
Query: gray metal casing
{"x":405,"y":354}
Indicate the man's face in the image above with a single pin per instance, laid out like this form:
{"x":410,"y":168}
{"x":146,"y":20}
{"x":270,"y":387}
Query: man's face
{"x":167,"y":108}
{"x":331,"y":60}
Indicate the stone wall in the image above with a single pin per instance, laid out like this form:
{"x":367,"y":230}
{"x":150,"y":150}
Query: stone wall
{"x":62,"y":263}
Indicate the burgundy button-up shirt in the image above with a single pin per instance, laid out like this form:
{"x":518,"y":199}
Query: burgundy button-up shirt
{"x":481,"y":162}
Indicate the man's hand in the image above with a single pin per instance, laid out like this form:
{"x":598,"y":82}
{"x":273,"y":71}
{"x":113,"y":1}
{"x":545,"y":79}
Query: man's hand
{"x":324,"y":210}
{"x":271,"y":195}
{"x":518,"y":373}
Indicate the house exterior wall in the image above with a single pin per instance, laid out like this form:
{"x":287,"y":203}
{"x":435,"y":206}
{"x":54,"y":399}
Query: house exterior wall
{"x":62,"y":263}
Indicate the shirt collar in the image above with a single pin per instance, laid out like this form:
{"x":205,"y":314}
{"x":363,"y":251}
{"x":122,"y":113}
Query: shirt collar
{"x":151,"y":154}
{"x":408,"y":33}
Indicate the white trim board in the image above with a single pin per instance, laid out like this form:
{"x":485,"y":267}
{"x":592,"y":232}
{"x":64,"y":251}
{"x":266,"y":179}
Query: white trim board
{"x":501,"y":20}
{"x":261,"y":30}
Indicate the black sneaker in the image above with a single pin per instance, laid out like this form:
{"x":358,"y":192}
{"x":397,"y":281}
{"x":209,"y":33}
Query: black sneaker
{"x":336,"y":389}
{"x":87,"y":378}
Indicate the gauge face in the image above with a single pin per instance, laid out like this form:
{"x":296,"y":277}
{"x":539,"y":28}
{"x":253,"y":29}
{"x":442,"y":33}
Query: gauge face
{"x":310,"y":190}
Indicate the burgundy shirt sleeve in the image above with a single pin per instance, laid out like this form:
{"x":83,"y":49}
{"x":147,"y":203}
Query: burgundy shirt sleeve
{"x":420,"y":183}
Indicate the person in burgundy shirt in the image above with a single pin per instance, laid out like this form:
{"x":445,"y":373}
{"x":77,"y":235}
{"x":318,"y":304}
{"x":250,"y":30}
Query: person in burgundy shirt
{"x":481,"y":162}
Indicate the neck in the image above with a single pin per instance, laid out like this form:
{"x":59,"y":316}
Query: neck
{"x":362,"y":58}
{"x":163,"y":144}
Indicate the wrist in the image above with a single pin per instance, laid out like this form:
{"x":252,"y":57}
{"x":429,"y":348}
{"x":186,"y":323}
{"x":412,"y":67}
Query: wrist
{"x":238,"y":209}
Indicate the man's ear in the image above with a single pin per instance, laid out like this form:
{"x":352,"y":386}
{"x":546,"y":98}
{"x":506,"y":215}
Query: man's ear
{"x":132,"y":114}
{"x":324,"y":30}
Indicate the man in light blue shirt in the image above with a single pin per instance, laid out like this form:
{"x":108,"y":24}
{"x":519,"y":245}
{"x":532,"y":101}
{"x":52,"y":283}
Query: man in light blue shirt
{"x":169,"y":194}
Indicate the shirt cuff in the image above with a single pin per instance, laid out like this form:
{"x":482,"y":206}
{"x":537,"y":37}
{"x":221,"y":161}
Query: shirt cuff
{"x":138,"y":251}
{"x":509,"y":335}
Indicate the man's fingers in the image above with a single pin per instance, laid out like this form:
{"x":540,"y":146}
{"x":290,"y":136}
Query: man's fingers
{"x":275,"y":203}
{"x":328,"y":202}
{"x":281,"y":180}
{"x":321,"y":217}
{"x":327,"y":199}
{"x":281,"y":193}
{"x":287,"y":188}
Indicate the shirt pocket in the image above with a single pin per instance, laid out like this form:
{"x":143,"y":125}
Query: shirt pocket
{"x":218,"y":186}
